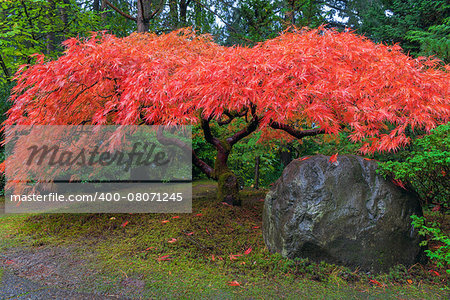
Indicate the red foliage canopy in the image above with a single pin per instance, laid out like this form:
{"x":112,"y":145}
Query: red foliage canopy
{"x":337,"y":80}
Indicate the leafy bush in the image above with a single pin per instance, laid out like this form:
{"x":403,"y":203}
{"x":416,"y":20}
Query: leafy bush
{"x":441,"y":255}
{"x":426,"y":168}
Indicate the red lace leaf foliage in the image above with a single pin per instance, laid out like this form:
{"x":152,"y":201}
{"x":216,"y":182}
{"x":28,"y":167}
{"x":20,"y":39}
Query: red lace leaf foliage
{"x":318,"y":76}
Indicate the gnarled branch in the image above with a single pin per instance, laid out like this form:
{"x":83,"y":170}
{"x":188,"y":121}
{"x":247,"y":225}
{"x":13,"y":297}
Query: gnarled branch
{"x":204,"y":123}
{"x":182,"y":145}
{"x":251,"y":127}
{"x":232,"y":115}
{"x":295,"y":132}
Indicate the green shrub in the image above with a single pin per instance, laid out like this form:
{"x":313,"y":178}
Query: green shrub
{"x":426,"y":168}
{"x":441,"y":255}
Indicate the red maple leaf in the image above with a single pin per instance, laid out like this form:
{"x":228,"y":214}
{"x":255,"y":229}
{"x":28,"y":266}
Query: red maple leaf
{"x":399,"y":183}
{"x":333,"y":158}
{"x":303,"y":158}
{"x":235,"y":256}
{"x":164,"y":258}
{"x":375,"y":282}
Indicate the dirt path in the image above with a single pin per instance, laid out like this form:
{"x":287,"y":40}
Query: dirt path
{"x":15,"y":287}
{"x":43,"y":273}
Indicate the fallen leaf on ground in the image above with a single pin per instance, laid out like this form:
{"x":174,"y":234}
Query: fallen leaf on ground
{"x":190,"y":233}
{"x":199,"y":215}
{"x":176,"y":217}
{"x":234,"y":256}
{"x":172,"y":240}
{"x":165,"y":221}
{"x":124,"y":224}
{"x":234,"y":283}
{"x":164,"y":258}
{"x":248,"y":251}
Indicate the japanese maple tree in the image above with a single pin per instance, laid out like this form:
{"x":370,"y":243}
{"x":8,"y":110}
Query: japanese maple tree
{"x":338,"y":81}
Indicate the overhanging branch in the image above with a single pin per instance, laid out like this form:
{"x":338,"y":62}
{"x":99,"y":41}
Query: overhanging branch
{"x":299,"y":134}
{"x":122,"y":13}
{"x":232,"y":115}
{"x":203,"y":166}
{"x":251,"y":127}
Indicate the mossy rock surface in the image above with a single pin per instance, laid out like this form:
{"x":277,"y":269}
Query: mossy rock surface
{"x":341,"y":212}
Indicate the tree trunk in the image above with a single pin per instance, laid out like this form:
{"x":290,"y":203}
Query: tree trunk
{"x":257,"y":172}
{"x":143,"y":15}
{"x":63,"y":16}
{"x":289,"y":14}
{"x":50,"y":36}
{"x":103,"y":7}
{"x":183,"y":12}
{"x":173,"y":14}
{"x":227,"y":181}
{"x":96,"y":5}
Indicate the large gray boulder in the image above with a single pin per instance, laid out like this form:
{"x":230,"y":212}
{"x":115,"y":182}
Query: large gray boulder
{"x":341,"y":212}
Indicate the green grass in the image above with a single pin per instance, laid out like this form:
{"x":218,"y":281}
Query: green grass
{"x":201,"y":262}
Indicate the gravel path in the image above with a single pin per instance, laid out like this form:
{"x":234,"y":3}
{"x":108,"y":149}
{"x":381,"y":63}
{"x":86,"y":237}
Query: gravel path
{"x":15,"y":287}
{"x":56,"y":273}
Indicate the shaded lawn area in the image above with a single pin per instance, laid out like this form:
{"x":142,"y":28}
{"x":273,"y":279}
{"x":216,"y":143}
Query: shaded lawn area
{"x":217,"y":251}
